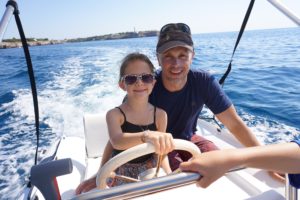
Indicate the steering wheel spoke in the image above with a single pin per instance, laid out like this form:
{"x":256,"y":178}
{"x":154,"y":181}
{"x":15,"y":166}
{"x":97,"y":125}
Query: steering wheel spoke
{"x":125,"y":178}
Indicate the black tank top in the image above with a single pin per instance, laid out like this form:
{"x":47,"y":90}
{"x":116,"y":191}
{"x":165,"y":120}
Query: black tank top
{"x":133,"y":128}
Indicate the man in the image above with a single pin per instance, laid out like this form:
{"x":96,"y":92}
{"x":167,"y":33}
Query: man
{"x":182,"y":93}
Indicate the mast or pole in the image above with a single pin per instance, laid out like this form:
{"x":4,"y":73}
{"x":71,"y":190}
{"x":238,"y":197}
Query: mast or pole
{"x":282,"y":8}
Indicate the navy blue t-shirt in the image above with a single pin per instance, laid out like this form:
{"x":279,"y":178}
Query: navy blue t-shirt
{"x":295,"y":178}
{"x":183,"y":107}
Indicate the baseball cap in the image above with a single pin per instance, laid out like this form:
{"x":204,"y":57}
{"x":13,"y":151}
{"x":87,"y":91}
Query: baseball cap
{"x":174,"y":35}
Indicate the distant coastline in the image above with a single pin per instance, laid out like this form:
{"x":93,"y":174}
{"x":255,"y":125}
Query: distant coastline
{"x":16,"y":43}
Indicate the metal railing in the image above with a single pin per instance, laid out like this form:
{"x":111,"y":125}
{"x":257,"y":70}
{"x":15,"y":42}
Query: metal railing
{"x":142,"y":188}
{"x":291,"y":193}
{"x":287,"y":12}
{"x":5,"y":20}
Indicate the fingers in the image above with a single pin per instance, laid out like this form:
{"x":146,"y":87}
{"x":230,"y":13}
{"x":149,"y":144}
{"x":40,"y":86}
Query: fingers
{"x":189,"y":166}
{"x":80,"y":189}
{"x":185,"y":166}
{"x":163,"y":142}
{"x":156,"y":144}
{"x":170,"y":143}
{"x":167,"y":143}
{"x":162,"y":145}
{"x":204,"y":182}
{"x":86,"y":186}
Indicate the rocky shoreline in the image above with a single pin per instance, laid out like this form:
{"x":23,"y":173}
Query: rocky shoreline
{"x":16,"y":43}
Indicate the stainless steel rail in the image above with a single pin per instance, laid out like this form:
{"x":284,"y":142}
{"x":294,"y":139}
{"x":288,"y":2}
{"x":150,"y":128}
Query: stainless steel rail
{"x":291,"y":193}
{"x":282,"y":8}
{"x":5,"y":20}
{"x":142,"y":188}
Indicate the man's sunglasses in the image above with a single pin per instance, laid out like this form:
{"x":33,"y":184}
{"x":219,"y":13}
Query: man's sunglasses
{"x":175,"y":27}
{"x":132,"y":78}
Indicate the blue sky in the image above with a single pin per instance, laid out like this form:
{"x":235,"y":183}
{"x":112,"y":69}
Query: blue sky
{"x":59,"y":19}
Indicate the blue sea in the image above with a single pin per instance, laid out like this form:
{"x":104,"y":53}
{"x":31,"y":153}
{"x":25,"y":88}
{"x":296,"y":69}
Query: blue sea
{"x":77,"y":78}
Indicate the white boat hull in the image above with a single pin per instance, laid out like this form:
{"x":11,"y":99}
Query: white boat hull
{"x":86,"y":156}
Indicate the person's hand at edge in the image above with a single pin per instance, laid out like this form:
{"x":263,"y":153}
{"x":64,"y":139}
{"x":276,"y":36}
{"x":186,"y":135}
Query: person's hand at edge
{"x":86,"y":186}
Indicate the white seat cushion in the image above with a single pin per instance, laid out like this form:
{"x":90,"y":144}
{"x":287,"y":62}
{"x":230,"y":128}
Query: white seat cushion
{"x":96,"y":134}
{"x":71,"y":147}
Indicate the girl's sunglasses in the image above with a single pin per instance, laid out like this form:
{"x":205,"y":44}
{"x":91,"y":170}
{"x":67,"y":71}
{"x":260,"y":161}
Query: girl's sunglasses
{"x":132,"y":78}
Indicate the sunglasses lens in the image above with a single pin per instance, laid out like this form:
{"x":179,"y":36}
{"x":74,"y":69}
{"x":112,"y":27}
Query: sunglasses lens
{"x":132,"y":79}
{"x":176,"y":27}
{"x":165,"y":29}
{"x":129,"y":80}
{"x":184,"y":28}
{"x":147,"y":78}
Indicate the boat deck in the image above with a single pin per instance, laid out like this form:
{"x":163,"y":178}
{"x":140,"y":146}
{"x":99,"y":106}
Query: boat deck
{"x":243,"y":184}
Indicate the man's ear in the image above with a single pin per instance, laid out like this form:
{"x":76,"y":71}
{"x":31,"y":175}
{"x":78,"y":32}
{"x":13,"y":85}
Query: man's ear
{"x":122,"y":85}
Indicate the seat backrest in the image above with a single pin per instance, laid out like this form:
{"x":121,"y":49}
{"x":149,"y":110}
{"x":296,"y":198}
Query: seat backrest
{"x":96,"y":134}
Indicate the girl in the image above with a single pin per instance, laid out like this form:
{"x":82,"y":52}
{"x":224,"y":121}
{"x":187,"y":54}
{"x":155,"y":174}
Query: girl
{"x":137,"y":121}
{"x":134,"y":122}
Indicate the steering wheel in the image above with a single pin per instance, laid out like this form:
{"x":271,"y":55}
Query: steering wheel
{"x":135,"y":152}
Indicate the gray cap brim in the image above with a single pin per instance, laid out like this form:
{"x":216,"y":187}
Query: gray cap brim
{"x":172,"y":44}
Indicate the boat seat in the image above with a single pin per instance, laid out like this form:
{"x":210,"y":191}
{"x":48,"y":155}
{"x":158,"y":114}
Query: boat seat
{"x":71,"y":147}
{"x":96,"y":134}
{"x":86,"y":154}
{"x":96,"y":137}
